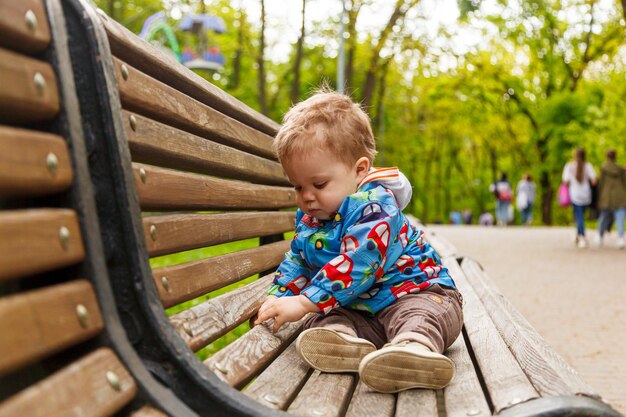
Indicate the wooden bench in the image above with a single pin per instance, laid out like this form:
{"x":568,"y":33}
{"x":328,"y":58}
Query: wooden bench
{"x":63,"y":350}
{"x":169,"y":163}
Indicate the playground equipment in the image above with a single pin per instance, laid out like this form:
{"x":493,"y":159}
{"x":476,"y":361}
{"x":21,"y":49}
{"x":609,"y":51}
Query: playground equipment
{"x":154,"y":29}
{"x":204,"y":58}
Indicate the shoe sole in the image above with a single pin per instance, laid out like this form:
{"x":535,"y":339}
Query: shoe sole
{"x":394,"y":371}
{"x":327,"y":351}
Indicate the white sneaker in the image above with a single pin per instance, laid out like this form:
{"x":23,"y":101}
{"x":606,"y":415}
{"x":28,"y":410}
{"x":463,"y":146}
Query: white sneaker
{"x":600,"y":240}
{"x":582,"y":242}
{"x":620,"y":243}
{"x":400,"y":367}
{"x":330,"y":351}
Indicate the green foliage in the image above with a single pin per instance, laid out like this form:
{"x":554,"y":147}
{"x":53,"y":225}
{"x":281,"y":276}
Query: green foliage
{"x":546,"y":77}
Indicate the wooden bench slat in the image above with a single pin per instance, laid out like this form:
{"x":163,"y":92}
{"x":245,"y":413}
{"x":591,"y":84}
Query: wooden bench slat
{"x":179,"y":232}
{"x":505,"y":380}
{"x":277,"y":386}
{"x":190,"y":280}
{"x":38,"y":323}
{"x":247,"y":356}
{"x":80,"y":389}
{"x":418,"y":403}
{"x":173,"y":190}
{"x":29,"y":89}
{"x":38,"y":243}
{"x":464,"y":396}
{"x":367,"y":402}
{"x":547,"y":370}
{"x":32,"y":163}
{"x":206,"y":322}
{"x":24,"y":26}
{"x":143,"y":94}
{"x":147,"y":411}
{"x":156,"y":143}
{"x":151,"y":60}
{"x":324,"y":395}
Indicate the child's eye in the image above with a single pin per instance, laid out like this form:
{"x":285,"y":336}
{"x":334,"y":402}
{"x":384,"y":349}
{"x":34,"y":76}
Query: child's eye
{"x":320,"y":185}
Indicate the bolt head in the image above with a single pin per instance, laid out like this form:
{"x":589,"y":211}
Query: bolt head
{"x":64,"y":237}
{"x":124,"y":70}
{"x":40,"y":83}
{"x":31,"y":20}
{"x":52,"y":162}
{"x":114,"y":380}
{"x":83,"y":315}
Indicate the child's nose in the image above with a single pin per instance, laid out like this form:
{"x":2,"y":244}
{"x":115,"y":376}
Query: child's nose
{"x":308,"y":195}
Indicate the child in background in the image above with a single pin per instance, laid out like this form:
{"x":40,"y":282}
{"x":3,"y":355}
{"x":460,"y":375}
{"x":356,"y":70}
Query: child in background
{"x":387,"y":308}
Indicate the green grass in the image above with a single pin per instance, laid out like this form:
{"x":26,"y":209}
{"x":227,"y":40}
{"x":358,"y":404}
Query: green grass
{"x":203,"y":253}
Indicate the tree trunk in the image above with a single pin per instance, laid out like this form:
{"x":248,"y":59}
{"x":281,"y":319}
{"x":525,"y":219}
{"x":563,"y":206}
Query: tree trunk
{"x":399,"y":11}
{"x":353,"y":13}
{"x":260,"y":63}
{"x":238,"y":52}
{"x":295,"y":85}
{"x":379,"y":123}
{"x":112,"y":9}
{"x":624,"y":8}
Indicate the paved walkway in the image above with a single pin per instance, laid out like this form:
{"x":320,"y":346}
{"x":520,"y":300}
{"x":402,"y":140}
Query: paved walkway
{"x":575,"y":298}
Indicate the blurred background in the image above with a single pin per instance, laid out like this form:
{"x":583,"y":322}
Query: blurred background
{"x":458,"y":91}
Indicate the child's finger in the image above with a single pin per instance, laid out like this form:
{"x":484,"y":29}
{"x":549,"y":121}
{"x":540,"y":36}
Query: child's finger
{"x":265,"y":315}
{"x":278,"y":321}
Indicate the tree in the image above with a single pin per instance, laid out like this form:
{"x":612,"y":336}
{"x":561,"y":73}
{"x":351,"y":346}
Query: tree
{"x":261,"y":63}
{"x":295,"y":85}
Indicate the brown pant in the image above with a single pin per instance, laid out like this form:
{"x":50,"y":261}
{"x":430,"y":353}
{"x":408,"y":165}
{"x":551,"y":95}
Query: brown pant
{"x":433,"y":317}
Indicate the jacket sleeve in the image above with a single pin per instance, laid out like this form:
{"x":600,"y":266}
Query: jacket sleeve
{"x":293,"y":274}
{"x":369,"y":243}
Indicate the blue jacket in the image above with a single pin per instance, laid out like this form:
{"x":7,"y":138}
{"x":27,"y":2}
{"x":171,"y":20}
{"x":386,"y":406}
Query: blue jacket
{"x":367,"y":257}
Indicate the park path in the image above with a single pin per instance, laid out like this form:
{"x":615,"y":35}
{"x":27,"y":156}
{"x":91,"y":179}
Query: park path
{"x":575,"y":298}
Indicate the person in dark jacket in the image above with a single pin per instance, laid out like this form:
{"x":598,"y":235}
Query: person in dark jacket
{"x":612,"y":197}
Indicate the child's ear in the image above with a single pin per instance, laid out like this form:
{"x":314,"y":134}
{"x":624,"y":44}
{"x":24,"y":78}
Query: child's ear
{"x":362,"y":167}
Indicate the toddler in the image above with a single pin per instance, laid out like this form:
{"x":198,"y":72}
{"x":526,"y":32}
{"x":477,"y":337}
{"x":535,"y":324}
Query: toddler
{"x":387,"y":307}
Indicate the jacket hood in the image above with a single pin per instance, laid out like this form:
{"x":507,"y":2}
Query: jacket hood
{"x":611,"y":169}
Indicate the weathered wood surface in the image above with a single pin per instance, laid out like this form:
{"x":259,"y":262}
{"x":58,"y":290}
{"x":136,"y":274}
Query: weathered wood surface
{"x":33,"y":241}
{"x":179,"y":232}
{"x":464,"y":396}
{"x":156,"y":143}
{"x":546,"y":369}
{"x":150,"y":97}
{"x":147,"y":411}
{"x":24,"y":26}
{"x":247,"y":356}
{"x":192,"y":279}
{"x":32,"y":163}
{"x":324,"y":395}
{"x":38,"y":323}
{"x":277,"y":386}
{"x":417,"y":403}
{"x":80,"y":389}
{"x":204,"y":323}
{"x":505,"y":380}
{"x":151,"y":60}
{"x":367,"y":402}
{"x":29,"y":89}
{"x":165,"y":189}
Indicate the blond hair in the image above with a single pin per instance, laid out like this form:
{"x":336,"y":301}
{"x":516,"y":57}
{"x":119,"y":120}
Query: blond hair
{"x":328,"y":121}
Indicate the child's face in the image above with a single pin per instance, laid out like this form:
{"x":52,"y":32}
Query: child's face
{"x":322,"y":182}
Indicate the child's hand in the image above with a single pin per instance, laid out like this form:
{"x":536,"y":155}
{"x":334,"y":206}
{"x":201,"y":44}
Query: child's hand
{"x":269,"y":300}
{"x":285,"y":310}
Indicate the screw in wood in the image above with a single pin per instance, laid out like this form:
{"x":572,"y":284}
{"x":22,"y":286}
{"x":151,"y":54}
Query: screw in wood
{"x":271,"y":399}
{"x":473,"y":412}
{"x":31,"y":20}
{"x":52,"y":162}
{"x":142,"y":175}
{"x":221,"y":368}
{"x":318,"y":412}
{"x":133,"y":122}
{"x":166,"y":283}
{"x":83,"y":315}
{"x":153,"y":232}
{"x":40,"y":83}
{"x":64,"y":237}
{"x":124,"y":72}
{"x":187,"y":329}
{"x":114,"y":380}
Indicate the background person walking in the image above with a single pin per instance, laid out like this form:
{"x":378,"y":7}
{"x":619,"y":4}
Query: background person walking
{"x":504,"y":194}
{"x":579,"y":176}
{"x":612,"y":197}
{"x":525,"y":198}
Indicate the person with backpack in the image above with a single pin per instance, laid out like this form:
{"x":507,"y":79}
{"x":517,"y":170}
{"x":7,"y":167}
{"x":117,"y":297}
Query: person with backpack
{"x":504,"y":194}
{"x":525,"y":198}
{"x":612,"y":198}
{"x":579,"y":176}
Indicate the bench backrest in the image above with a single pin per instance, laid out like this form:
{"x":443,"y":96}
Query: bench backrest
{"x":63,"y":350}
